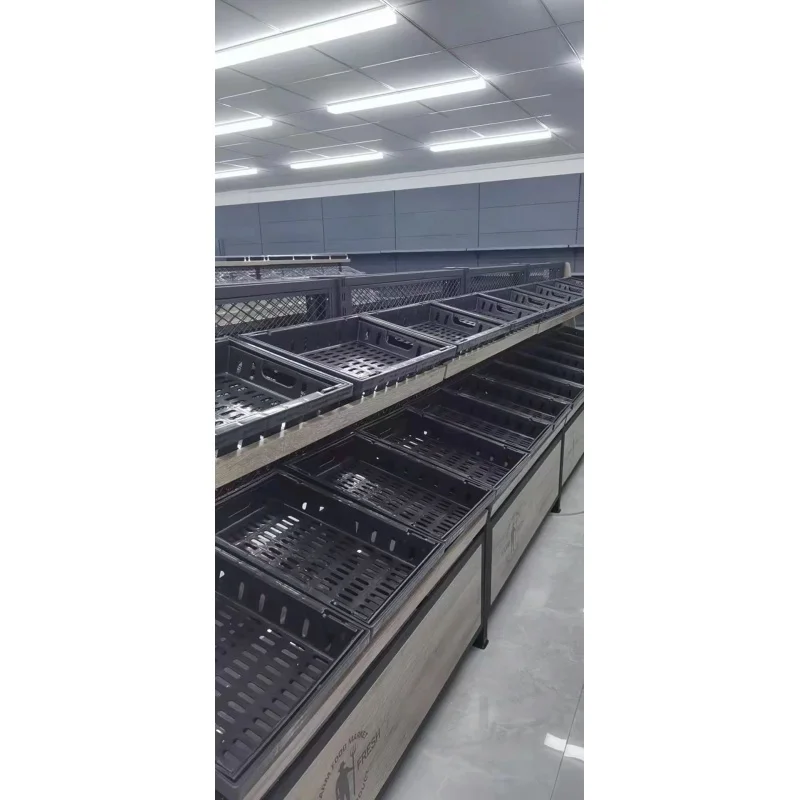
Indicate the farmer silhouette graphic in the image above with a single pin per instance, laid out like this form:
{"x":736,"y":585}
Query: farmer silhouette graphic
{"x":343,"y":781}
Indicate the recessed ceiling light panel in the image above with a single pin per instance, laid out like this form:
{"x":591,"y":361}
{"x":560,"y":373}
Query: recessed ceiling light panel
{"x":332,"y":162}
{"x":243,"y":125}
{"x":490,"y":141}
{"x":407,"y":96}
{"x":306,"y":37}
{"x":234,"y":173}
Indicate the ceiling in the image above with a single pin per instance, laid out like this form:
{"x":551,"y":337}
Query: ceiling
{"x":529,"y":52}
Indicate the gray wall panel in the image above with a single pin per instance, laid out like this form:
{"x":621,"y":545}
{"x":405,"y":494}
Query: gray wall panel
{"x":241,"y":248}
{"x":528,"y":239}
{"x":580,"y":214}
{"x":437,"y":223}
{"x":540,"y":217}
{"x":238,"y":223}
{"x":452,"y":242}
{"x":415,"y":261}
{"x":358,"y":205}
{"x":291,"y":210}
{"x":357,"y":245}
{"x":299,"y":231}
{"x":437,"y":198}
{"x":360,"y":228}
{"x":553,"y":189}
{"x":579,"y":239}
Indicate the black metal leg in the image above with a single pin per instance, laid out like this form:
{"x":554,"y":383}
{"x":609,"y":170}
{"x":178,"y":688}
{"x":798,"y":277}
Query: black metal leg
{"x":482,"y":639}
{"x":556,"y":509}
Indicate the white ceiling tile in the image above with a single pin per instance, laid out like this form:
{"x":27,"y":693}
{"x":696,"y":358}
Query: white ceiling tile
{"x":288,"y":14}
{"x":270,"y":102}
{"x":409,"y":73}
{"x":525,"y":125}
{"x":565,"y":11}
{"x":483,"y":115}
{"x":526,"y":51}
{"x":229,"y":82}
{"x":308,"y":141}
{"x":296,"y":65}
{"x":277,"y":130}
{"x":574,"y":32}
{"x":375,"y":135}
{"x":400,"y":40}
{"x":565,"y":105}
{"x":457,"y":22}
{"x":223,"y":114}
{"x":227,"y":153}
{"x":565,"y":78}
{"x":340,"y":150}
{"x":234,"y":27}
{"x":403,"y":111}
{"x":450,"y":135}
{"x":254,"y":147}
{"x":318,"y":119}
{"x":336,"y":88}
{"x":417,"y":127}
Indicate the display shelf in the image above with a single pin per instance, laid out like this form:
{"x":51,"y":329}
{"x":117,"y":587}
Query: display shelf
{"x":236,"y":465}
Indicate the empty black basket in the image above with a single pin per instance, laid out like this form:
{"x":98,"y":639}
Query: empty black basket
{"x":540,"y":382}
{"x":566,"y":285}
{"x":451,"y":326}
{"x":363,"y":351}
{"x":543,"y":307}
{"x":568,"y":299}
{"x":478,"y":415}
{"x":348,"y":558}
{"x":410,"y":491}
{"x":469,"y":455}
{"x":277,"y":654}
{"x":539,"y":362}
{"x":492,"y":385}
{"x":515,"y":316}
{"x":556,"y":340}
{"x":546,"y":350}
{"x":258,"y":391}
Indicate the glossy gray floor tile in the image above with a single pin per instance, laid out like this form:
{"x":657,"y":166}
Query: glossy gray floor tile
{"x":502,"y":728}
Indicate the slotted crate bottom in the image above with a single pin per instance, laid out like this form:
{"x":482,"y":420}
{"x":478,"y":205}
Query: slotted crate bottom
{"x":412,"y":504}
{"x":439,"y":331}
{"x":469,"y":391}
{"x":235,"y":399}
{"x":358,"y":359}
{"x":350,"y":573}
{"x":464,"y":462}
{"x":262,"y":674}
{"x":511,"y":438}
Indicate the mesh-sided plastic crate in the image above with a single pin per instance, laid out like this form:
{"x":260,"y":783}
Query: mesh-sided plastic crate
{"x":363,"y":351}
{"x":540,"y":382}
{"x":469,"y":455}
{"x":537,"y":361}
{"x":545,"y":290}
{"x":492,"y":386}
{"x":566,"y":286}
{"x":459,"y":328}
{"x":543,"y":307}
{"x":350,"y":559}
{"x":409,"y":491}
{"x":258,"y":392}
{"x":482,"y":416}
{"x":277,"y":654}
{"x":514,"y":315}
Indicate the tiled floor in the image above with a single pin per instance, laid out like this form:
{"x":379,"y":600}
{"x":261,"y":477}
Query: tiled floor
{"x":510,"y":725}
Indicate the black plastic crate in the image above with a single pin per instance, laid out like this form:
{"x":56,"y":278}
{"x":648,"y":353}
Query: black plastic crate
{"x":350,"y":559}
{"x":257,"y":392}
{"x":469,"y":455}
{"x":535,"y":360}
{"x":277,"y":653}
{"x":543,"y":290}
{"x":567,"y":286}
{"x":363,"y":351}
{"x":514,"y":315}
{"x":555,"y":341}
{"x":554,"y":354}
{"x":459,"y":328}
{"x":494,"y":386}
{"x":567,"y":333}
{"x":544,"y":307}
{"x":528,"y":378}
{"x":500,"y":423}
{"x":409,"y":491}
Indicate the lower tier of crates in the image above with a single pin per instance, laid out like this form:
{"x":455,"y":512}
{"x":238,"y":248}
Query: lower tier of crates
{"x":353,"y":735}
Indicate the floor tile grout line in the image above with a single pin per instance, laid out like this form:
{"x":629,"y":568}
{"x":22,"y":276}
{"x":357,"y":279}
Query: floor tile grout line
{"x":566,"y":742}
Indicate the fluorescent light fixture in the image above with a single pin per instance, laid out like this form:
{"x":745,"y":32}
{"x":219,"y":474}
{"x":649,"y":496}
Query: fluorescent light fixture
{"x":581,"y":63}
{"x":407,"y":96}
{"x":234,"y":173}
{"x":332,"y":162}
{"x":305,"y":37}
{"x":242,"y":125}
{"x":489,"y":141}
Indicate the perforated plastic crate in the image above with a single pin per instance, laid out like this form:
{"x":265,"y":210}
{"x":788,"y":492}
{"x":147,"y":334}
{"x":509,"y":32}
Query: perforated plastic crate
{"x":277,"y":654}
{"x":409,"y":491}
{"x":459,"y":328}
{"x":537,"y":361}
{"x":481,"y":416}
{"x":257,"y":392}
{"x":491,"y":385}
{"x":528,"y":378}
{"x":514,"y":315}
{"x":556,"y":341}
{"x":543,"y":306}
{"x":350,"y":559}
{"x":363,"y":351}
{"x":544,"y":290}
{"x":554,"y":354}
{"x":567,"y":285}
{"x":468,"y":454}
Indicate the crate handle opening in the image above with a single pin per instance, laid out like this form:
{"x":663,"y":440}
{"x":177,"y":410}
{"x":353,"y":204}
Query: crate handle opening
{"x":395,"y":341}
{"x":278,"y":376}
{"x":464,"y":321}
